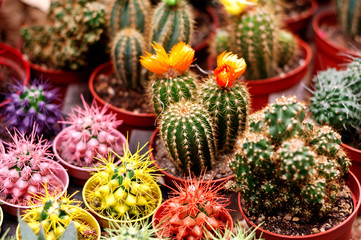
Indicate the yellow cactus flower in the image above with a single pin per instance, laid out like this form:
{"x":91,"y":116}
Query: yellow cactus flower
{"x":236,"y":7}
{"x":229,"y":68}
{"x":173,"y":64}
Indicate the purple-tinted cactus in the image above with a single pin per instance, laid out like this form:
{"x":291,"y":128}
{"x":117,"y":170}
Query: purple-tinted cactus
{"x":33,"y":105}
{"x":91,"y":133}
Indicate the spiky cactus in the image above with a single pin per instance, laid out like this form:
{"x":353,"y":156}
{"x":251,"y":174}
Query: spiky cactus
{"x":349,"y":16}
{"x":353,"y":76}
{"x":226,"y":99}
{"x":130,"y":231}
{"x":172,"y":22}
{"x":188,"y":135}
{"x":128,"y":46}
{"x":239,"y":233}
{"x":133,"y":14}
{"x":221,"y":42}
{"x":34,"y":104}
{"x":287,"y":47}
{"x":172,"y":81}
{"x":92,"y":133}
{"x":300,"y":172}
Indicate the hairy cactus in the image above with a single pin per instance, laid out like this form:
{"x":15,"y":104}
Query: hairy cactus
{"x":33,"y":105}
{"x":300,"y":172}
{"x":172,"y":81}
{"x":60,"y":45}
{"x":226,"y":99}
{"x":128,"y":46}
{"x":349,"y":16}
{"x":91,"y":134}
{"x":25,"y":168}
{"x":130,"y":231}
{"x":188,"y":135}
{"x":133,"y":14}
{"x":172,"y":22}
{"x":353,"y":76}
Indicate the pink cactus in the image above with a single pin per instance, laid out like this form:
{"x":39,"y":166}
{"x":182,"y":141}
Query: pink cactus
{"x":91,"y":134}
{"x":25,"y":167}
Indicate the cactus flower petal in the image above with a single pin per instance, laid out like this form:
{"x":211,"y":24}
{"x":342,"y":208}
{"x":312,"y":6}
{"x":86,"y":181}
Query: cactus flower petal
{"x":236,"y":7}
{"x":181,"y":57}
{"x":229,"y":68}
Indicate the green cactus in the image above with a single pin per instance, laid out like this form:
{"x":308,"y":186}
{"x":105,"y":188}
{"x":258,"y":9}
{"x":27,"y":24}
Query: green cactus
{"x":287,"y":47}
{"x":222,"y":42}
{"x":353,"y":76}
{"x":326,"y":140}
{"x":172,"y":22}
{"x":228,"y":107}
{"x":128,"y":46}
{"x":130,"y":14}
{"x":130,"y":231}
{"x":188,"y":135}
{"x":349,"y":16}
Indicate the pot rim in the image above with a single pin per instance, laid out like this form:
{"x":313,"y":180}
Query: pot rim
{"x":305,"y":14}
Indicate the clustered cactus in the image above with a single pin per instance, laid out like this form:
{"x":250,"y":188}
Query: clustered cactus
{"x":130,"y":231}
{"x":34,"y":104}
{"x":285,"y":161}
{"x":349,"y":16}
{"x":25,"y":167}
{"x":92,"y":133}
{"x":127,"y":191}
{"x":59,"y":44}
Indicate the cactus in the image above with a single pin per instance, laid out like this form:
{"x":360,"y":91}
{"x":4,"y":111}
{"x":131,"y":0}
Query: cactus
{"x":222,"y":42}
{"x":226,"y":100}
{"x":300,"y":172}
{"x":128,"y":46}
{"x":353,"y":76}
{"x":194,"y":208}
{"x":91,"y":134}
{"x":287,"y":47}
{"x":127,"y":191}
{"x":133,"y":14}
{"x":25,"y":168}
{"x":134,"y":231}
{"x":33,"y":105}
{"x":172,"y":22}
{"x":239,"y":233}
{"x":172,"y":81}
{"x":349,"y":16}
{"x":188,"y":135}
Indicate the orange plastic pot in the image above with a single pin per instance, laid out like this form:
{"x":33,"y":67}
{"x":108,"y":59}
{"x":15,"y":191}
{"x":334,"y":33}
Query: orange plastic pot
{"x":169,"y":179}
{"x":263,"y":91}
{"x":328,"y":53}
{"x":339,"y":232}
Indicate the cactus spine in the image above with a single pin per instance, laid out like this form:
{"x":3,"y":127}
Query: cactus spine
{"x":172,"y":24}
{"x":349,"y":16}
{"x":130,"y":14}
{"x":188,"y":136}
{"x":287,"y":47}
{"x":128,"y":46}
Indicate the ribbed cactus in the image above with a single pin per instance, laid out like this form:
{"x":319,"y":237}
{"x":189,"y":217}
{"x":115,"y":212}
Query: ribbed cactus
{"x":172,"y":22}
{"x":287,"y":47}
{"x":172,"y":81}
{"x":353,"y":76}
{"x":188,"y":135}
{"x":130,"y":231}
{"x":226,"y":99}
{"x":221,"y":42}
{"x":128,"y":46}
{"x":130,"y":14}
{"x":349,"y":16}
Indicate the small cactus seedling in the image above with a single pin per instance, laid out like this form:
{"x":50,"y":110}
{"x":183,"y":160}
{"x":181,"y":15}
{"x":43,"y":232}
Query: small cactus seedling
{"x":25,"y":168}
{"x":33,"y":105}
{"x":188,"y":135}
{"x":194,"y":208}
{"x":130,"y":231}
{"x":125,"y":192}
{"x":349,"y":16}
{"x":172,"y":22}
{"x":226,"y":99}
{"x":91,"y":133}
{"x":172,"y":81}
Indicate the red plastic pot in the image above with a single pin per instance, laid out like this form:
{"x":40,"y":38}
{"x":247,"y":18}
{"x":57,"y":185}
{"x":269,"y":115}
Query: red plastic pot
{"x":131,"y":121}
{"x":339,"y":232}
{"x":160,"y":211}
{"x":80,"y":175}
{"x":328,"y":53}
{"x":266,"y":90}
{"x":62,"y":175}
{"x":169,"y":179}
{"x":15,"y":64}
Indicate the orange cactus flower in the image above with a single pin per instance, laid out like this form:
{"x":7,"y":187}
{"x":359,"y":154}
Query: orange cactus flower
{"x":173,"y":64}
{"x":229,"y":68}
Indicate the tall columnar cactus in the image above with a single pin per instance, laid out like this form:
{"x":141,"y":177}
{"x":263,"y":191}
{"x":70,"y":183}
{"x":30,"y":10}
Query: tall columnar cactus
{"x":172,"y":81}
{"x":130,"y":14}
{"x":172,"y":22}
{"x":349,"y":16}
{"x":226,"y":100}
{"x":128,"y":45}
{"x":300,"y":172}
{"x":188,"y":135}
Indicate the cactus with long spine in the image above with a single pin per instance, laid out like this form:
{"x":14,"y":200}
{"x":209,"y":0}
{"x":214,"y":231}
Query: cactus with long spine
{"x":130,"y":231}
{"x":349,"y":16}
{"x":128,"y":46}
{"x":353,"y":76}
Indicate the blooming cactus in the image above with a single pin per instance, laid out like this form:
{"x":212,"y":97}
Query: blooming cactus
{"x":91,"y":133}
{"x":25,"y":167}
